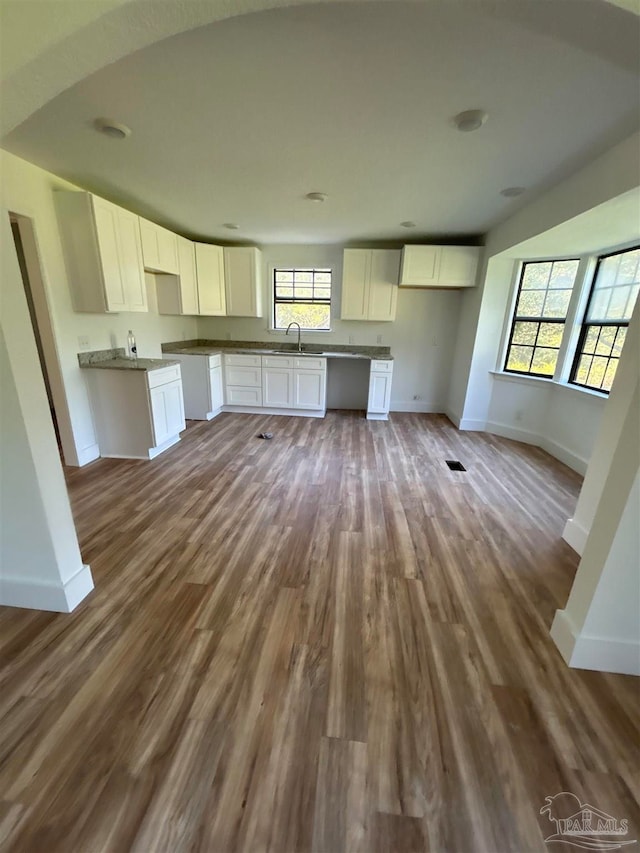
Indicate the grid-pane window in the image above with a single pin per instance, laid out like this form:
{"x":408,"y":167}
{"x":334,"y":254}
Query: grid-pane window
{"x":613,"y":295}
{"x":541,"y":308}
{"x":302,"y":296}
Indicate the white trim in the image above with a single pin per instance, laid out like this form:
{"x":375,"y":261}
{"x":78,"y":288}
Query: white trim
{"x":559,"y":451}
{"x":40,"y":595}
{"x":263,"y":410}
{"x":603,"y":654}
{"x":88,"y":454}
{"x":417,"y":406}
{"x":506,"y":431}
{"x":453,"y":417}
{"x":563,"y":634}
{"x":472,"y":425}
{"x":575,"y":535}
{"x":377,"y":416}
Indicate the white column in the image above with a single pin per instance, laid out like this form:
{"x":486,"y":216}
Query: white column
{"x":600,"y":625}
{"x":40,"y":562}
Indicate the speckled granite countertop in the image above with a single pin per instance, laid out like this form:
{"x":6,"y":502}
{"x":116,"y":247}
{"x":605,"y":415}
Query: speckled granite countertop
{"x":203,"y":347}
{"x":115,"y":359}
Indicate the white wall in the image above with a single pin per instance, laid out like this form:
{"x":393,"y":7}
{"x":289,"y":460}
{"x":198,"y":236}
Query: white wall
{"x":613,"y":174}
{"x":422,"y":339}
{"x":546,"y":414}
{"x":28,"y":190}
{"x":40,"y":562}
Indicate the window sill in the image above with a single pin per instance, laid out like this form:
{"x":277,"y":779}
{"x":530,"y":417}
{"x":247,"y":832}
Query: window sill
{"x":551,"y":383}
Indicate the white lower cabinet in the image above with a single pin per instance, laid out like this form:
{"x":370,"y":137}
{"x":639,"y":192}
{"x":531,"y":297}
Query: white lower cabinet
{"x":277,"y":387}
{"x":379,"y":389}
{"x":167,"y":411}
{"x":138,"y":413}
{"x":310,"y":389}
{"x":202,"y":385}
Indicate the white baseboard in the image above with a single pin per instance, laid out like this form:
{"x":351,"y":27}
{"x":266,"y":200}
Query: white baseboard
{"x":559,"y":451}
{"x":575,"y":535}
{"x":44,"y":595}
{"x":377,"y":416}
{"x":419,"y":406}
{"x":602,"y":654}
{"x":453,"y":417}
{"x":471,"y":425}
{"x":563,"y":634}
{"x":88,"y":454}
{"x":507,"y":431}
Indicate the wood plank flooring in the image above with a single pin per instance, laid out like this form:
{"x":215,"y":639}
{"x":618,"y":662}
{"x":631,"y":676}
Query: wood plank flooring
{"x":323,"y":642}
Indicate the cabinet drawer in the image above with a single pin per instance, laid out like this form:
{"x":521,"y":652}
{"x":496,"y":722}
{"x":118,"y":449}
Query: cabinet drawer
{"x":249,"y":377}
{"x":242,"y":396}
{"x":243,"y":360}
{"x":215,"y":360}
{"x":308,"y":363}
{"x":379,"y":366}
{"x":277,"y":361}
{"x":163,"y":375}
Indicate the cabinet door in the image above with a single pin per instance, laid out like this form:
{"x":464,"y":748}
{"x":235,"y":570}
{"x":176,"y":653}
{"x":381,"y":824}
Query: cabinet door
{"x":242,"y":281}
{"x":379,"y":392}
{"x":210,"y":277}
{"x":277,"y":387}
{"x":167,"y":251}
{"x":309,"y":389}
{"x":383,"y":284}
{"x":215,"y":388}
{"x":458,"y":266}
{"x":105,"y":217}
{"x":188,"y":280}
{"x":131,"y":265}
{"x":167,"y":411}
{"x":240,"y":375}
{"x":356,"y":270}
{"x":420,"y":266}
{"x":149,"y":240}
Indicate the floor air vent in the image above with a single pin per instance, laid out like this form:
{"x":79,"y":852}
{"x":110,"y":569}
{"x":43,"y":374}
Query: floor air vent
{"x":454,"y":465}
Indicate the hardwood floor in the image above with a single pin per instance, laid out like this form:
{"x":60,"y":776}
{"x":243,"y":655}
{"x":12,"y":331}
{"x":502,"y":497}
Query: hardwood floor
{"x":328,"y":641}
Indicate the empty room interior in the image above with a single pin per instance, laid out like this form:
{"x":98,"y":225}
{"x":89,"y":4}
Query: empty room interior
{"x":319,"y":426}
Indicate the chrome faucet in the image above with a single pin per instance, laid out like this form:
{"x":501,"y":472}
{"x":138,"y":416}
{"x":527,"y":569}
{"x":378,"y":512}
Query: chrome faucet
{"x":287,"y":332}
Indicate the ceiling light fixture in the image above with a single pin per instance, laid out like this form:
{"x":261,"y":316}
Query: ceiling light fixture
{"x":112,"y":129}
{"x":408,"y":224}
{"x":512,"y":192}
{"x":231,"y":226}
{"x":317,"y":197}
{"x":470,"y":120}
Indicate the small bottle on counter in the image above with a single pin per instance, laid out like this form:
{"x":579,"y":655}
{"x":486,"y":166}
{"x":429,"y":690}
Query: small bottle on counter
{"x":131,"y":345}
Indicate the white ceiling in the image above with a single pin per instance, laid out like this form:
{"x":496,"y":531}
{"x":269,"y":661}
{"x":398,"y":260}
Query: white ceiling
{"x":236,"y":121}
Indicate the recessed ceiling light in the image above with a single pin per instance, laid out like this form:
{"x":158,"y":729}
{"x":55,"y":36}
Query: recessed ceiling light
{"x":512,"y":192}
{"x":231,"y":226}
{"x":318,"y":197}
{"x":470,"y":120}
{"x":408,"y":224}
{"x":112,"y":129}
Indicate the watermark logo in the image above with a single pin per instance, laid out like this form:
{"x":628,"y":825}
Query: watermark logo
{"x":583,"y":825}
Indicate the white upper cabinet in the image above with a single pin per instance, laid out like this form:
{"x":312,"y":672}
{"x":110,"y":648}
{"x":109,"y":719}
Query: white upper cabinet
{"x":159,"y":248}
{"x":458,"y":266}
{"x":383,"y":284}
{"x":369,"y":284}
{"x":103,"y":254}
{"x":210,"y":277}
{"x":439,"y":266}
{"x":178,"y":294}
{"x":243,"y":281}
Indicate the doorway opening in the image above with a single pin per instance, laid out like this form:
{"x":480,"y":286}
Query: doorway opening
{"x":30,"y":270}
